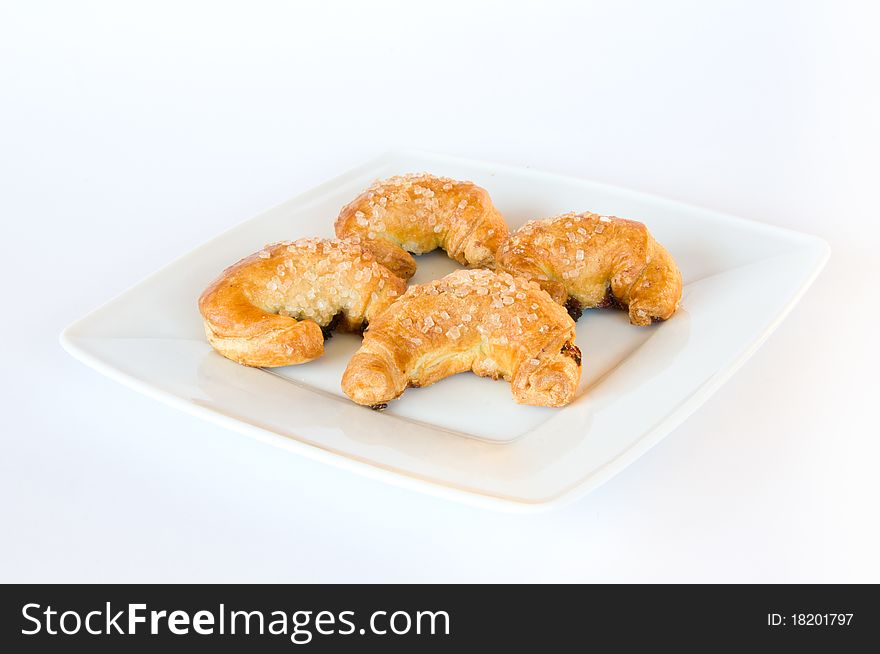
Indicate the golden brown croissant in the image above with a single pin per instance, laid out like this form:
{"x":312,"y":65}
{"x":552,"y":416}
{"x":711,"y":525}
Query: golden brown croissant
{"x":588,"y":260}
{"x":270,"y":308}
{"x":491,"y":323}
{"x":419,"y":213}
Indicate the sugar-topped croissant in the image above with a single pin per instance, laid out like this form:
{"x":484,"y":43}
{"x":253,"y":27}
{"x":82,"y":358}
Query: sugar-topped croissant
{"x":491,"y":323}
{"x":274,"y":307}
{"x":589,"y":260}
{"x":419,"y":213}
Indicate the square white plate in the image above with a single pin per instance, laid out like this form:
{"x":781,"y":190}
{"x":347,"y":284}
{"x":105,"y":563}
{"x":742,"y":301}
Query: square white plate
{"x":465,"y":438}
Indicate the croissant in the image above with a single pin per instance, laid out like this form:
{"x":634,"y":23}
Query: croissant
{"x":275,"y":307}
{"x":419,"y":213}
{"x":491,"y":323}
{"x":589,"y":260}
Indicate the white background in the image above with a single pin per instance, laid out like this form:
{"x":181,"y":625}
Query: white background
{"x":130,"y":133}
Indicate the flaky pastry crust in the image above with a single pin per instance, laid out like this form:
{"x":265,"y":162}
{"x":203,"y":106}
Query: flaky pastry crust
{"x":269,"y":309}
{"x":491,"y":323}
{"x":419,"y":213}
{"x":590,"y":260}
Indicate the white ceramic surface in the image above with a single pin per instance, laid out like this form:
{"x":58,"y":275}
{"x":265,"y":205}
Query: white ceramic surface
{"x":464,"y":438}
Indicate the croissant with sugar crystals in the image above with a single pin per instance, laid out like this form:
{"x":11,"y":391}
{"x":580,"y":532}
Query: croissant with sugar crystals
{"x":419,"y":213}
{"x":491,"y":323}
{"x":589,"y":260}
{"x":272,"y":308}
